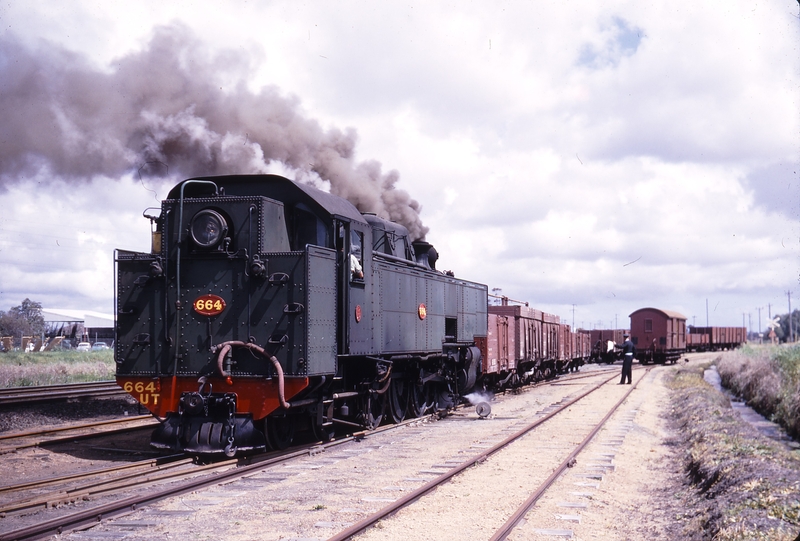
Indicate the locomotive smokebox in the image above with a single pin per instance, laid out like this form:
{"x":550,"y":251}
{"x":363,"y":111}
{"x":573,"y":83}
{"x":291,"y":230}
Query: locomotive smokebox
{"x":426,"y":253}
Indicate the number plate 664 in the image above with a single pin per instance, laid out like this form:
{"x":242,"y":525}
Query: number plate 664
{"x":209,"y":305}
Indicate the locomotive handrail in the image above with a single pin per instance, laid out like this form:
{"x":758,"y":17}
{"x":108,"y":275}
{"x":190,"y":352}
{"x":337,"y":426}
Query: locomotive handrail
{"x":394,"y":258}
{"x":178,"y":276}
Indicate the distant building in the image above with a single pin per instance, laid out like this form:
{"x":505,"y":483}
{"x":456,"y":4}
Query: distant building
{"x":79,"y":325}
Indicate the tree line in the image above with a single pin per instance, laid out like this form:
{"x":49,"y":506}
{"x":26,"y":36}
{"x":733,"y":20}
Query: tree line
{"x":23,"y":320}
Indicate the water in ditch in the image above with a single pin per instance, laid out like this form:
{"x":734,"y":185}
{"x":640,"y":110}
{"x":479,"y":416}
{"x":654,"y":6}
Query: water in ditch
{"x":764,"y":425}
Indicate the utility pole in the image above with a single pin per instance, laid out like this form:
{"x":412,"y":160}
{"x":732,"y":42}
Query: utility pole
{"x":759,"y":320}
{"x":791,"y":326}
{"x":706,"y":312}
{"x":573,"y":317}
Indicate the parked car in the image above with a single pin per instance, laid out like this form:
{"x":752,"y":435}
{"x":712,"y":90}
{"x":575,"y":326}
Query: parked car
{"x":84,"y":346}
{"x":99,"y":346}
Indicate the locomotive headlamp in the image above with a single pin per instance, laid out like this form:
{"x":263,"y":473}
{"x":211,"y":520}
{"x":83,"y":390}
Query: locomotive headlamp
{"x":208,"y":228}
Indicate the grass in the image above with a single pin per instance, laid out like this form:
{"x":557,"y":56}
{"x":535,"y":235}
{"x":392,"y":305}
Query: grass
{"x":768,"y":379}
{"x":19,"y":369}
{"x":746,"y":484}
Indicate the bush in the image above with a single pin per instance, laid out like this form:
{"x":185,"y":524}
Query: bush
{"x":768,"y":379}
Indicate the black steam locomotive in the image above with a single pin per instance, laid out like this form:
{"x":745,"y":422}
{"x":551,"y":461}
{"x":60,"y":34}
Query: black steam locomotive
{"x":266,"y":306}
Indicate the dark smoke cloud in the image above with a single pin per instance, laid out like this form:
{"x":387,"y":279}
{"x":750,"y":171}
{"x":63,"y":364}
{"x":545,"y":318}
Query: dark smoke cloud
{"x":172,"y":109}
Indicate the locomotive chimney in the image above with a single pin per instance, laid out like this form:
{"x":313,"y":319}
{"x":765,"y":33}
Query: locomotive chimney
{"x":426,"y":253}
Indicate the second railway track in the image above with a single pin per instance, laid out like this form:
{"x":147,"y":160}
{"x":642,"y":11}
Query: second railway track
{"x":53,"y":393}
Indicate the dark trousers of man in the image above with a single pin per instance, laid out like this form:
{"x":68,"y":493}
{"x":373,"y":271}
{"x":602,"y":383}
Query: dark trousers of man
{"x":627,"y":367}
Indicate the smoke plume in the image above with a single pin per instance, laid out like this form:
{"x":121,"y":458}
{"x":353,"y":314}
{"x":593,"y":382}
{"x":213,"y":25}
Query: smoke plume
{"x":173,"y":109}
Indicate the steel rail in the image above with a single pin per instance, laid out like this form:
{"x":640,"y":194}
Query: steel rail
{"x":504,"y":531}
{"x":431,"y":485}
{"x":58,"y":386}
{"x":151,"y":462}
{"x":584,"y":375}
{"x":51,"y":393}
{"x":124,"y":482}
{"x":77,"y":437}
{"x":17,"y":435}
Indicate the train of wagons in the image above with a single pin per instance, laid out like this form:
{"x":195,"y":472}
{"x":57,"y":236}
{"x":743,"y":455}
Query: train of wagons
{"x":266,"y":307}
{"x":661,"y":336}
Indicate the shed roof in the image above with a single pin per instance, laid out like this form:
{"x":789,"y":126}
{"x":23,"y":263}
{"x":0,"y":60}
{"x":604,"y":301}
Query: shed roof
{"x":668,"y":313}
{"x":88,"y":318}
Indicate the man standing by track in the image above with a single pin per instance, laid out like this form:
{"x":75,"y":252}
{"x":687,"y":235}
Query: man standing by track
{"x":628,"y":349}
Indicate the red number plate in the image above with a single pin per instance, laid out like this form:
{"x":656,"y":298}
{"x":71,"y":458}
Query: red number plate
{"x":209,"y":305}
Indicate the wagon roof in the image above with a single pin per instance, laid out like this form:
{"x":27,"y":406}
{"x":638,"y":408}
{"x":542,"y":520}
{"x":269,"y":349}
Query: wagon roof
{"x":278,"y":188}
{"x":668,"y":313}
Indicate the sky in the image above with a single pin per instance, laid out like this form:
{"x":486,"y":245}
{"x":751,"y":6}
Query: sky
{"x":588,"y":158}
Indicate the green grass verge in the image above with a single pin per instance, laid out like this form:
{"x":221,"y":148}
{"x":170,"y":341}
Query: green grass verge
{"x":55,"y":367}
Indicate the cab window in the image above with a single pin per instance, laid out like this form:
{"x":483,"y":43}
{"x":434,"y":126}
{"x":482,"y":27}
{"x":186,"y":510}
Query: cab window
{"x":356,"y":256}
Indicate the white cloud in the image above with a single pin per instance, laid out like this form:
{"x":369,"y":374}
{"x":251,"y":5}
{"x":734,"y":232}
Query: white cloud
{"x":550,"y":145}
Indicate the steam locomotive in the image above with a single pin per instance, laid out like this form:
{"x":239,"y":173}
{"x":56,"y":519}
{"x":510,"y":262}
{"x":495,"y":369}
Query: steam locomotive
{"x":266,"y":306}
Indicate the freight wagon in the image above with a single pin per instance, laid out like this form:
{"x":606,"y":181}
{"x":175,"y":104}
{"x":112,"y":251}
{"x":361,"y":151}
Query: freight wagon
{"x":659,"y":335}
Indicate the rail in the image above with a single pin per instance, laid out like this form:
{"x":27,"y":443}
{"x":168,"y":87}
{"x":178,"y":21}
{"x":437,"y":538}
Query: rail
{"x":51,"y":393}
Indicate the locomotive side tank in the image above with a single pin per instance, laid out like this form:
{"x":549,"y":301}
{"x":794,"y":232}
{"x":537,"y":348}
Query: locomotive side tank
{"x":267,"y":305}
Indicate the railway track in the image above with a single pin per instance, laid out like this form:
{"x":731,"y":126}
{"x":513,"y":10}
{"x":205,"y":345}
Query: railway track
{"x":185,"y":480}
{"x":505,"y":530}
{"x":227,"y":473}
{"x":13,"y":442}
{"x":53,"y":393}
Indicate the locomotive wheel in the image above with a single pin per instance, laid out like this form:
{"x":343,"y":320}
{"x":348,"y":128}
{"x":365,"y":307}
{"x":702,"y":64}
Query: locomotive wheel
{"x":398,"y":399}
{"x":375,"y":406}
{"x":280,"y":432}
{"x":322,"y":433}
{"x":420,"y":399}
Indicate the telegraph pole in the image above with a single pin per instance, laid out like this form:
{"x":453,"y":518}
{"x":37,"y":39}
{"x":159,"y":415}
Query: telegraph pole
{"x":791,"y":326}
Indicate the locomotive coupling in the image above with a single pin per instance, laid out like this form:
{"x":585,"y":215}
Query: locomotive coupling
{"x":208,"y":424}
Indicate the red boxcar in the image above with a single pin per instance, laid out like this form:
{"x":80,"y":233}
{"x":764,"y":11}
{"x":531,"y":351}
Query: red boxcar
{"x":659,"y":335}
